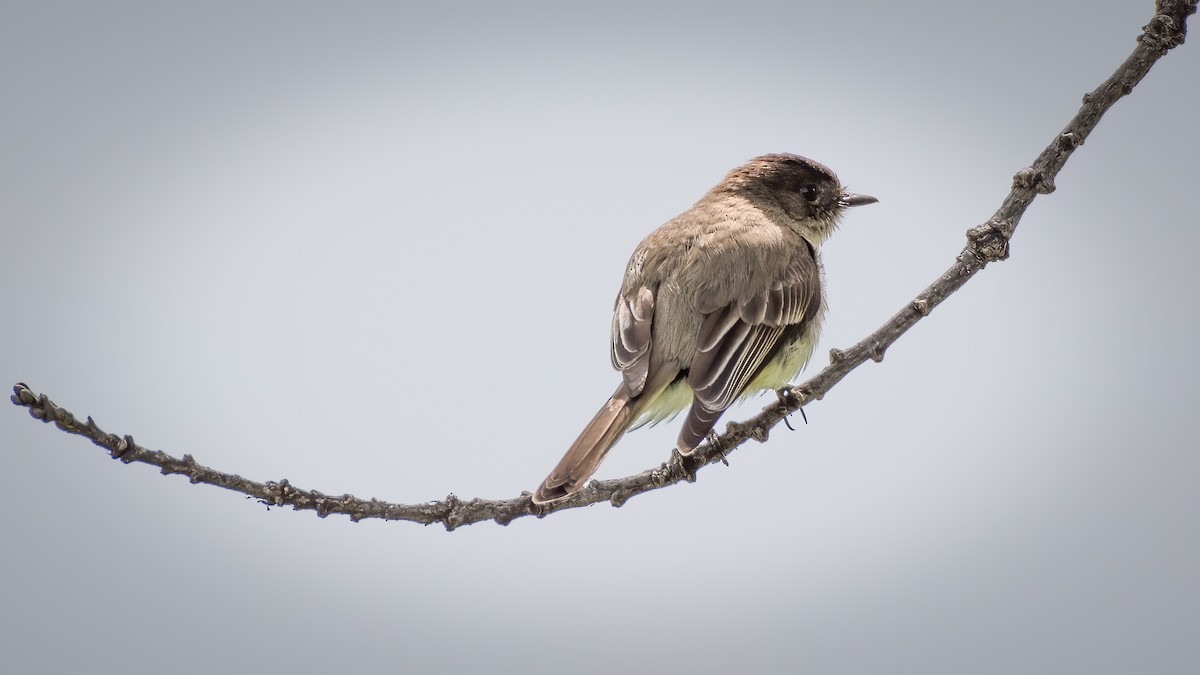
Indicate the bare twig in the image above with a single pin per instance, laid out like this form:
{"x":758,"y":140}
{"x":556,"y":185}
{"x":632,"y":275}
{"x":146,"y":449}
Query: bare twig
{"x":985,"y":243}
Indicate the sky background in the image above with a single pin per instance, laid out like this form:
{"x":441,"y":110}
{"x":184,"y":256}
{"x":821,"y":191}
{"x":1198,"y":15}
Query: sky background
{"x":313,"y":240}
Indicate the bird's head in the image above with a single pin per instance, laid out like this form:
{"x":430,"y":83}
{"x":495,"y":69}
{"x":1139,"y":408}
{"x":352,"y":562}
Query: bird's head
{"x":807,"y":191}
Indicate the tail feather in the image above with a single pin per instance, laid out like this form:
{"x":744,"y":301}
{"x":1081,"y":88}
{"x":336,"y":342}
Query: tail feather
{"x":586,"y":453}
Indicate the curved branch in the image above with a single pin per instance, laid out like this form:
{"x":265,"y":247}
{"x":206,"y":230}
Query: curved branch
{"x":986,"y":243}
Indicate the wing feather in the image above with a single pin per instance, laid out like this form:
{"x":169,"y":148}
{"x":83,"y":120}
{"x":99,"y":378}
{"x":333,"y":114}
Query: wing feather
{"x":736,"y":338}
{"x":632,"y":337}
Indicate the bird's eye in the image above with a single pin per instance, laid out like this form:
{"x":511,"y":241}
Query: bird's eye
{"x":809,"y":193}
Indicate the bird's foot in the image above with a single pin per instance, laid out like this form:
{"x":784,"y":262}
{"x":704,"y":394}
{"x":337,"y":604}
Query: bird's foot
{"x":714,"y":442}
{"x":788,"y":402}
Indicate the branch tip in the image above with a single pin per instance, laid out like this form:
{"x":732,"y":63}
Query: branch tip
{"x":23,"y":395}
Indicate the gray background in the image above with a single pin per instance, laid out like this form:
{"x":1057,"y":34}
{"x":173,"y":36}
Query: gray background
{"x":372,"y":248}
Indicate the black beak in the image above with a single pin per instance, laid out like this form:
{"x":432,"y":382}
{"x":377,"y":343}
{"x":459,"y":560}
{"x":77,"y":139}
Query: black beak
{"x":856,"y":200}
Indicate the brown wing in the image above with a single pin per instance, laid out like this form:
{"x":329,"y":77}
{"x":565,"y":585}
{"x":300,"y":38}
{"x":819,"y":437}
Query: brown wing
{"x":737,"y":338}
{"x":633,"y":319}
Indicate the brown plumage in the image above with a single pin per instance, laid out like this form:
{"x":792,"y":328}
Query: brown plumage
{"x":722,"y":301}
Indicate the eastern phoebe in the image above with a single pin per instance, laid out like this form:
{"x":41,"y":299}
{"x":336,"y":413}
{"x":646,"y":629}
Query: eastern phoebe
{"x":721,"y":302}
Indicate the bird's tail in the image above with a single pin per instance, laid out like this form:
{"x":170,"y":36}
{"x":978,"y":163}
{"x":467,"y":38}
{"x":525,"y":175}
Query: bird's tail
{"x":586,"y":453}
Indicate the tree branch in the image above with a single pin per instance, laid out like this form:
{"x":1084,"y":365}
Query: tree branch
{"x":986,"y":243}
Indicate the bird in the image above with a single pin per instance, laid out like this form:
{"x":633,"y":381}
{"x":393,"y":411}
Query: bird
{"x":723,"y":301}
